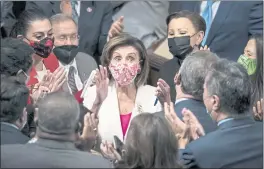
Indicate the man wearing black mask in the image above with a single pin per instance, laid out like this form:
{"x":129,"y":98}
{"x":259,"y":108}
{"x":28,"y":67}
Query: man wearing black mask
{"x":185,"y":34}
{"x":78,"y":65}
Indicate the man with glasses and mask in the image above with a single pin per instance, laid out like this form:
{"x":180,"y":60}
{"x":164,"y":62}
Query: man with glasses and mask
{"x":78,"y":65}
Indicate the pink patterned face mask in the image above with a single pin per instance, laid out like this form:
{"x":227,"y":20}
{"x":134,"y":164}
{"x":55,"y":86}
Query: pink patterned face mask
{"x":124,"y":74}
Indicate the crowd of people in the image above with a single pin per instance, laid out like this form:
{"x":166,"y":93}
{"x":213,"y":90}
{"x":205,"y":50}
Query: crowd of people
{"x":75,"y":91}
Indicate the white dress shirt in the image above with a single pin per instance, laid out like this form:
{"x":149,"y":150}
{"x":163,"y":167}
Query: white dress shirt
{"x":41,"y":73}
{"x":214,"y":8}
{"x":77,"y":79}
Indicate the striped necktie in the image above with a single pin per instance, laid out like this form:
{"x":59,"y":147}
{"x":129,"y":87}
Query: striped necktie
{"x":74,"y":11}
{"x":71,"y":80}
{"x":207,"y":15}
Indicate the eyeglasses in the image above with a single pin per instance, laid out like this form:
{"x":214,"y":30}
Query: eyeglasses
{"x":64,"y":38}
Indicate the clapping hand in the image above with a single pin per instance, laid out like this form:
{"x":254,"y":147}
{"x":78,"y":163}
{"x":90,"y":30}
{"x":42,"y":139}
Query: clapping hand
{"x":181,"y":130}
{"x":116,"y":28}
{"x":109,"y":152}
{"x":196,"y":127}
{"x":258,"y":110}
{"x":57,"y":80}
{"x":163,"y":91}
{"x":89,"y":133}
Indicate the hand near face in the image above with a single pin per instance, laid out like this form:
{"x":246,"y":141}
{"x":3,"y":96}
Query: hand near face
{"x":258,"y":110}
{"x":163,"y":91}
{"x":101,"y":83}
{"x":109,"y":152}
{"x":116,"y":28}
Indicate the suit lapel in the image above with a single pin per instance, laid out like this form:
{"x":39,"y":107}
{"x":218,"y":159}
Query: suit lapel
{"x":220,"y":17}
{"x":83,"y":72}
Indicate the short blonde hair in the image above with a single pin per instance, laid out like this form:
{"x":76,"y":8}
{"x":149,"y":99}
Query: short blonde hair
{"x":127,"y":40}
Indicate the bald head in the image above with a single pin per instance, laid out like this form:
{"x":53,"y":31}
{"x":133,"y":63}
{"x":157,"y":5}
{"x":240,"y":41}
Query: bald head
{"x":58,"y":113}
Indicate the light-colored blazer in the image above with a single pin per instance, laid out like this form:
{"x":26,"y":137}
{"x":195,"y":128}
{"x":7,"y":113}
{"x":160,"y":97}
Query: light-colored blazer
{"x":109,"y":116}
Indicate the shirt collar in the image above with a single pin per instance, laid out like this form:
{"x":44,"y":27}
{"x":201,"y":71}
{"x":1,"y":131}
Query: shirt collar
{"x":180,"y":100}
{"x":10,"y":124}
{"x":73,"y":63}
{"x":224,"y":120}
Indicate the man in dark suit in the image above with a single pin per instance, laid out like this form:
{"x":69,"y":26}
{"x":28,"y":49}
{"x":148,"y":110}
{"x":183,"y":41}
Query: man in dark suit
{"x":94,"y":19}
{"x":238,"y":141}
{"x":57,"y":120}
{"x":189,"y":87}
{"x":229,"y":24}
{"x":14,"y":96}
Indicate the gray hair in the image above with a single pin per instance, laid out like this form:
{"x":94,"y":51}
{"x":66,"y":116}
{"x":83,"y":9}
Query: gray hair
{"x":58,"y":113}
{"x":194,"y":70}
{"x":61,"y":18}
{"x":231,"y":83}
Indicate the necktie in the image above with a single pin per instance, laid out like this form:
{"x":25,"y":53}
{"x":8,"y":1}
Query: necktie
{"x":207,"y":15}
{"x":71,"y":80}
{"x":74,"y":11}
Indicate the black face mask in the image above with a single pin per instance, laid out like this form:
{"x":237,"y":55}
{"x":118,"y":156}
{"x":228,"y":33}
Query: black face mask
{"x":180,"y":46}
{"x":66,"y":53}
{"x":44,"y":47}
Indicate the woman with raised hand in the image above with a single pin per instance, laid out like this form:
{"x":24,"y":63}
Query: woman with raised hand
{"x":120,"y":92}
{"x":34,"y":28}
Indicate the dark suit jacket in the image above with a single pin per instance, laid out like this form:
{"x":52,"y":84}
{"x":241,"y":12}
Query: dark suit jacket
{"x":199,"y":110}
{"x":11,"y":135}
{"x":93,"y":26}
{"x":85,"y":65}
{"x":10,"y":10}
{"x":235,"y":144}
{"x":167,"y":72}
{"x":234,"y":23}
{"x":49,"y":154}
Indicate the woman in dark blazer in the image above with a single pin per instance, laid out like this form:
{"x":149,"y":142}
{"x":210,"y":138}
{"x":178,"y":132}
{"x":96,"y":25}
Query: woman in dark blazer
{"x":185,"y":33}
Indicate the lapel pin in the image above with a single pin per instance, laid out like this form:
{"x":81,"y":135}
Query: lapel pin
{"x":89,"y":9}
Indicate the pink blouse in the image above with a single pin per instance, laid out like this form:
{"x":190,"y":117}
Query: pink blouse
{"x":125,"y":119}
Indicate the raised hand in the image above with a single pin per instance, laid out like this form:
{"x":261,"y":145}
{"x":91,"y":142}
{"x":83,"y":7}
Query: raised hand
{"x":101,"y":83}
{"x":89,"y":133}
{"x":109,"y":152}
{"x":258,"y":110}
{"x":195,"y":126}
{"x":163,"y":91}
{"x":116,"y":28}
{"x":58,"y":79}
{"x":181,"y":130}
{"x":42,"y":88}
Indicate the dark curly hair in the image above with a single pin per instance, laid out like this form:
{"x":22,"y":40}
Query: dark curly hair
{"x":14,"y":96}
{"x":15,"y":55}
